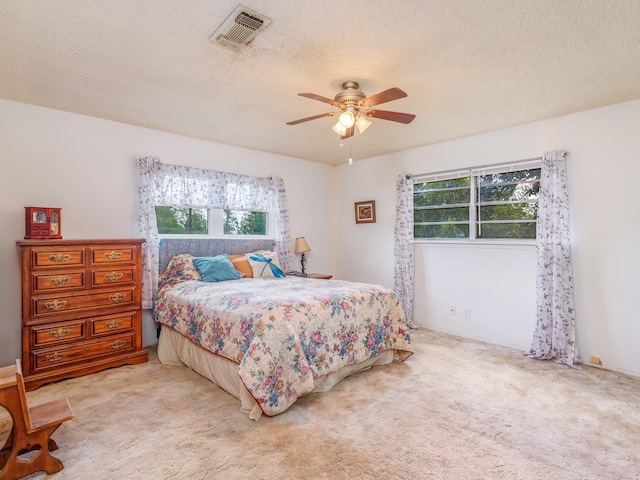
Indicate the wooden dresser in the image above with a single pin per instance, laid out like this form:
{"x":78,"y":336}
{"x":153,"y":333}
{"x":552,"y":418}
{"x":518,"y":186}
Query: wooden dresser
{"x":81,"y":307}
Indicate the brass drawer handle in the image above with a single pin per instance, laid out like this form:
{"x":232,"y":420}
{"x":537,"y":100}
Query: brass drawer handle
{"x":113,"y":255}
{"x":55,"y":357}
{"x":112,"y":277}
{"x":59,"y":333}
{"x":113,"y":324}
{"x":60,"y":281}
{"x":117,"y":297}
{"x":60,"y":257}
{"x":117,"y":345}
{"x":56,"y":304}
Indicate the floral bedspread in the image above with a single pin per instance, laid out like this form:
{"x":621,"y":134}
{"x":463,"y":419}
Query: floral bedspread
{"x":283,"y":333}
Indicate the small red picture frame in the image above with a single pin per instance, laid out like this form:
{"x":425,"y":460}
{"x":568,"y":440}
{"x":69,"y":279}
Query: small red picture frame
{"x":42,"y":223}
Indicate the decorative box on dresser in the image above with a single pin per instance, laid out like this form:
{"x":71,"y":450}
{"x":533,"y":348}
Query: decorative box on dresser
{"x":81,"y":307}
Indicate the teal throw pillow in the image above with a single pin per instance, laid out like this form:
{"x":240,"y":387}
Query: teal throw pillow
{"x":216,"y":269}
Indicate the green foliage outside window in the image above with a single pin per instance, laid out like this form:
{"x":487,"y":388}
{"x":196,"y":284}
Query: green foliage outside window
{"x":190,"y":221}
{"x":245,"y":223}
{"x":441,"y":208}
{"x":504,"y":205}
{"x":182,"y":220}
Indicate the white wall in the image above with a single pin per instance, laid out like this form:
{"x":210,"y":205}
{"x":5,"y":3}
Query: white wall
{"x":498,"y":283}
{"x":86,"y":166}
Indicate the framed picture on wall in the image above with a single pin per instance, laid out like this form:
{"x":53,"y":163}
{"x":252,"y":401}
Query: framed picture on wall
{"x":366,"y":212}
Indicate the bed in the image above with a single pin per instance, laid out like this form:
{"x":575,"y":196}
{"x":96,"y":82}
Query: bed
{"x":269,"y":341}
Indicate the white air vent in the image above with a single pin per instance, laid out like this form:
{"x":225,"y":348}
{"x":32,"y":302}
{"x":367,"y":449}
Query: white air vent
{"x":240,"y":28}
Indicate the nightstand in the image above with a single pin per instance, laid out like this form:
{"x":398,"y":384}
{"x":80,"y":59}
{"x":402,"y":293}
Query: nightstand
{"x":321,"y":276}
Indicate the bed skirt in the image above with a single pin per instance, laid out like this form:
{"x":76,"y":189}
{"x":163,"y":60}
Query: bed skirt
{"x":175,"y":349}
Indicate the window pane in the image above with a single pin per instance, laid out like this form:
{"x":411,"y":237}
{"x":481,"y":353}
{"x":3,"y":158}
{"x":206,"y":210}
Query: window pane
{"x":245,"y":223}
{"x":452,"y":196}
{"x":511,"y":211}
{"x":509,"y":186}
{"x":510,"y":192}
{"x":442,"y":197}
{"x":441,"y":231}
{"x":507,"y":230}
{"x":510,"y":177}
{"x":440,"y":184}
{"x":457,"y":214}
{"x":182,"y":220}
{"x":442,"y":192}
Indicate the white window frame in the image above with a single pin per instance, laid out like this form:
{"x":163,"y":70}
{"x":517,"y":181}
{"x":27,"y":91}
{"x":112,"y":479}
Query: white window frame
{"x":473,"y":173}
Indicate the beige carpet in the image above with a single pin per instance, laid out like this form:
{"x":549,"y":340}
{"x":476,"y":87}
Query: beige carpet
{"x":458,"y":409}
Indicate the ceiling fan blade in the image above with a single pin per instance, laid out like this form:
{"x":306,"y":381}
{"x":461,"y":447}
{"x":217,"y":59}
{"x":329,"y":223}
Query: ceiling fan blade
{"x":349,"y":133}
{"x":320,"y":98}
{"x":393,"y":116}
{"x":383,"y":97}
{"x":295,"y":122}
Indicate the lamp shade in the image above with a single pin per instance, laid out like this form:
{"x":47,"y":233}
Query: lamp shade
{"x":302,"y":245}
{"x":362,"y":123}
{"x":347,"y":119}
{"x":339,"y":129}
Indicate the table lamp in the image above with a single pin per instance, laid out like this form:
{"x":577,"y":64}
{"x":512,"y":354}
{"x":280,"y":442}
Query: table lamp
{"x":301,"y":247}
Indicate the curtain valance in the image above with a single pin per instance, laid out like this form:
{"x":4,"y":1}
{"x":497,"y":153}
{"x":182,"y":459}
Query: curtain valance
{"x":201,"y":188}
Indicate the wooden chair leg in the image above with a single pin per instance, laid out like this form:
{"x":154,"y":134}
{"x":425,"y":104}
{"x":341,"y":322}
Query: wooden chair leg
{"x":28,"y":447}
{"x":16,"y":467}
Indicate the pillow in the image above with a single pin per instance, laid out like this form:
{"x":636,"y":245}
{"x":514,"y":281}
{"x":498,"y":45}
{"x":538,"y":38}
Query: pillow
{"x":265,"y":265}
{"x":216,"y":269}
{"x":179,"y":269}
{"x":241,"y":263}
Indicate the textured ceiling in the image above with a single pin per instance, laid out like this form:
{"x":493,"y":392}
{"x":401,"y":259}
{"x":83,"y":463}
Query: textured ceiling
{"x":468,"y":66}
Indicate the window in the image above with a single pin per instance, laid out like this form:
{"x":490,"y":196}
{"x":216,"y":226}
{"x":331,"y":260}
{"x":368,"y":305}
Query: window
{"x":245,"y":223}
{"x":496,"y":203}
{"x":210,"y":222}
{"x":182,"y":220}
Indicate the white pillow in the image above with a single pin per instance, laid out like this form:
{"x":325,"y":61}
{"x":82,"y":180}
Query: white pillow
{"x":265,"y":265}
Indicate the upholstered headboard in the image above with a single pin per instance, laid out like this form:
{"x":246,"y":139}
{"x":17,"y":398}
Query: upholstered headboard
{"x":205,"y":247}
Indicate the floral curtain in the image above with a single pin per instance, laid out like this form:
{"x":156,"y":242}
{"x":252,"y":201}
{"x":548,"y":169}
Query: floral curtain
{"x":147,"y":228}
{"x":555,"y":333}
{"x":176,"y":185}
{"x":283,"y":238}
{"x":403,"y":250}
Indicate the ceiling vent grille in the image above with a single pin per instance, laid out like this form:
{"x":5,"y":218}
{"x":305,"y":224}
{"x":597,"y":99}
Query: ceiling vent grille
{"x":240,"y":28}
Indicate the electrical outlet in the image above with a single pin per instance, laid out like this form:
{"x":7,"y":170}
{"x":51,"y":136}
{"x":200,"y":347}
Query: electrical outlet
{"x":596,"y":360}
{"x":452,"y":310}
{"x":467,"y":312}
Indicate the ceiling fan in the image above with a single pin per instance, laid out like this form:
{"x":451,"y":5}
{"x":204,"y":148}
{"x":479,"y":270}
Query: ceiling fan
{"x":355,"y":107}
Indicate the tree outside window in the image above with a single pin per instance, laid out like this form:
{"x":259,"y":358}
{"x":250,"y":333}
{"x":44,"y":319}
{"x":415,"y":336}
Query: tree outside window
{"x":502,"y":205}
{"x":197,"y":221}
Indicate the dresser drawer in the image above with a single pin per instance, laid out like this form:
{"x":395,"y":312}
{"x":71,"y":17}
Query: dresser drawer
{"x":101,"y":256}
{"x":60,"y":332}
{"x":60,"y":356}
{"x":112,"y":323}
{"x":113,"y":276}
{"x":63,"y":281}
{"x":57,"y":258}
{"x":63,"y":304}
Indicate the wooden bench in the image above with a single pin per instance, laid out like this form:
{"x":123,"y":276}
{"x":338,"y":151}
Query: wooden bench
{"x":27,"y":449}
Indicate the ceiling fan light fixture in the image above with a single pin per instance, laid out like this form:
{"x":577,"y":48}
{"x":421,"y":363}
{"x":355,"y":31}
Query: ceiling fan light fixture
{"x":339,"y":129}
{"x":362,"y":123}
{"x":347,"y":119}
{"x":354,"y":107}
